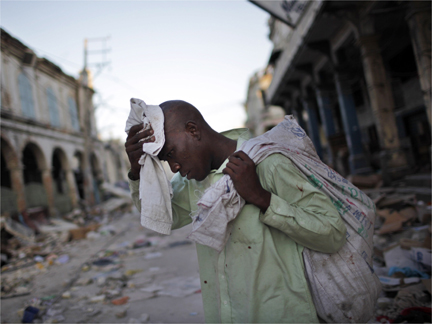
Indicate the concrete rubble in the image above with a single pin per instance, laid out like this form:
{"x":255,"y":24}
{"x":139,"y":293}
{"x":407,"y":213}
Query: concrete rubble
{"x":402,"y":249}
{"x":100,"y":265}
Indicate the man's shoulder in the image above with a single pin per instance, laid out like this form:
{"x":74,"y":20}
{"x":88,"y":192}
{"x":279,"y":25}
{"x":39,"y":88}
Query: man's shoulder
{"x":276,"y":163}
{"x":274,"y":160}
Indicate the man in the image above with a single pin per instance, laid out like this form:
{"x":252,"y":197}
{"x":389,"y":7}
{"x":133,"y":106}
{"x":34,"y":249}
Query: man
{"x":259,"y":276}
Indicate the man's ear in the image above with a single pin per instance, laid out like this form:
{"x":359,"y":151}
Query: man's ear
{"x":193,"y":130}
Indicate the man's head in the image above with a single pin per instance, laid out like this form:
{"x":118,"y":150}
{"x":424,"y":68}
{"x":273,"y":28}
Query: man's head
{"x":187,"y":147}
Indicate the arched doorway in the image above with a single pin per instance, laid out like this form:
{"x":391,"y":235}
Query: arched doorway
{"x":33,"y":163}
{"x":61,"y":189}
{"x":77,"y":167}
{"x":8,"y":194}
{"x":97,"y":178}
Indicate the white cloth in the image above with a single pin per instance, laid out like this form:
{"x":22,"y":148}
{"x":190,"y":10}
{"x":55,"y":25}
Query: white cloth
{"x":155,"y":191}
{"x":336,"y":280}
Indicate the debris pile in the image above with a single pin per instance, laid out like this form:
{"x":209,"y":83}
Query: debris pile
{"x":402,"y":255}
{"x":32,"y":240}
{"x":92,"y":265}
{"x":99,"y":265}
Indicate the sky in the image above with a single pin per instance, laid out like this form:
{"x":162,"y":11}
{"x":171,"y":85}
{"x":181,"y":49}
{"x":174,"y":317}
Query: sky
{"x":203,"y":52}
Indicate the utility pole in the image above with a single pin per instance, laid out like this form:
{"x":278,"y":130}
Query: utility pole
{"x":101,"y":50}
{"x":85,"y":95}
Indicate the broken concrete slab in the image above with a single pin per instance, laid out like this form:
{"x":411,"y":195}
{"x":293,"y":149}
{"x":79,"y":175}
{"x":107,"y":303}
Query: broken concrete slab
{"x":57,"y":225}
{"x":114,"y":203}
{"x":18,"y":230}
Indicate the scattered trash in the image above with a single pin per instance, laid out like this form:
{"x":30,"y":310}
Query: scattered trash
{"x":129,"y":273}
{"x":121,"y":314}
{"x":97,"y":299}
{"x":50,"y":297}
{"x":93,"y":313}
{"x":83,"y":281}
{"x":103,"y":262}
{"x":62,"y":259}
{"x":107,"y":230}
{"x":93,"y":235}
{"x":38,"y":258}
{"x":153,"y":255}
{"x":30,"y":314}
{"x":120,"y":301}
{"x":408,"y":272}
{"x":141,"y":243}
{"x":179,"y":243}
{"x":81,"y":232}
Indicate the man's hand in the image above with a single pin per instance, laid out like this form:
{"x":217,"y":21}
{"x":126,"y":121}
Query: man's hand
{"x":242,"y":171}
{"x":134,"y":150}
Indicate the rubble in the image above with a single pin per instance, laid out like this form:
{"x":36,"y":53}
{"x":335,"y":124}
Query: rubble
{"x":102,"y":266}
{"x":402,"y":248}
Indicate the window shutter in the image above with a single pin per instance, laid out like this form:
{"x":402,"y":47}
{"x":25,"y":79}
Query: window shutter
{"x":26,"y":96}
{"x":73,"y":113}
{"x":52,"y":106}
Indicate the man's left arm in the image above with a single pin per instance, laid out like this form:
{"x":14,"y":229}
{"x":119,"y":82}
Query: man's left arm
{"x":290,"y":203}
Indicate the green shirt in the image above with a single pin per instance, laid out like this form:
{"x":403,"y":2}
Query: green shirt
{"x":259,"y":276}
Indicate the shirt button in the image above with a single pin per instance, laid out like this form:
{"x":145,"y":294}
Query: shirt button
{"x":274,"y":217}
{"x":225,"y":302}
{"x":223,"y":277}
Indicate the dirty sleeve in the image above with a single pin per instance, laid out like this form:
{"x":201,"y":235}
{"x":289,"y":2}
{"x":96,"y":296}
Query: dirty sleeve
{"x":298,"y":209}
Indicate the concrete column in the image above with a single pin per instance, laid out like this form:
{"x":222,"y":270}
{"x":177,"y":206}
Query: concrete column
{"x":313,"y":125}
{"x":297,"y":112}
{"x":382,"y":104}
{"x":73,"y":190}
{"x":18,"y":187}
{"x":325,"y":110}
{"x":88,"y":186}
{"x":48,"y":185}
{"x":419,"y":22}
{"x":357,"y":161}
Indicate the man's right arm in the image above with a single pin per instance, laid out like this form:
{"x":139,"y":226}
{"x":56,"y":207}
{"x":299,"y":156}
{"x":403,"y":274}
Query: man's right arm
{"x":134,"y":150}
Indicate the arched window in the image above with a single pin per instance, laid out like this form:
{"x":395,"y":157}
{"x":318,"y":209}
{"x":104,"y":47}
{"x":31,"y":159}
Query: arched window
{"x":73,"y":113}
{"x":52,"y":106}
{"x":26,"y":96}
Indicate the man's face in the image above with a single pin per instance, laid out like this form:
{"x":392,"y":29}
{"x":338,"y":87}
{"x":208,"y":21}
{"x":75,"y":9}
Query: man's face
{"x":184,"y":154}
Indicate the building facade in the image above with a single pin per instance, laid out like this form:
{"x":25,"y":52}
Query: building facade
{"x":50,"y":153}
{"x":357,"y":76}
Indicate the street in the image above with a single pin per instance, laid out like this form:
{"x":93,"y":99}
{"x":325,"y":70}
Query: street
{"x":80,"y":292}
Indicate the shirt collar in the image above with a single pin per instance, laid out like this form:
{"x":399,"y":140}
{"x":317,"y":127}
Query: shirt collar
{"x":241,"y":135}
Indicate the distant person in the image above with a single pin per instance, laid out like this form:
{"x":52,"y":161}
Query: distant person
{"x":259,"y":275}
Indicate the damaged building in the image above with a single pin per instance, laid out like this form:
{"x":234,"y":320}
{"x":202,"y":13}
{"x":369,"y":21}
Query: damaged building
{"x":357,"y":76}
{"x":51,"y":156}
